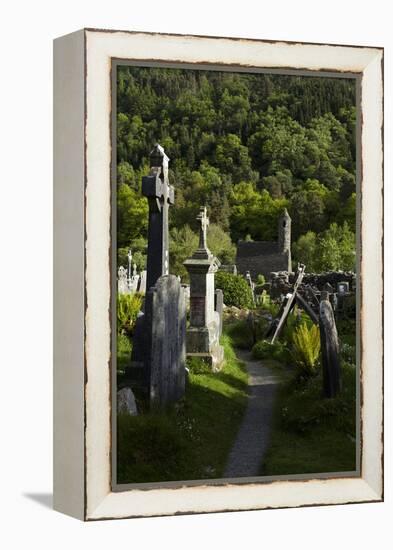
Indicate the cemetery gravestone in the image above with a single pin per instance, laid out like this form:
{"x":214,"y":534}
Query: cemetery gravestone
{"x":122,"y":283}
{"x":142,"y":282}
{"x":204,"y":331}
{"x":158,"y":354}
{"x":165,"y":357}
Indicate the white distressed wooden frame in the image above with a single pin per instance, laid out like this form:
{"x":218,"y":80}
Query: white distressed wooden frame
{"x":82,"y":241}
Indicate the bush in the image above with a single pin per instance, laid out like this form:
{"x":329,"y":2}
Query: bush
{"x":240,"y":333}
{"x":235,"y":289}
{"x":265,"y":350}
{"x":306,"y":346}
{"x":197,"y":365}
{"x":306,"y":408}
{"x":348,"y":353}
{"x":128,"y":307}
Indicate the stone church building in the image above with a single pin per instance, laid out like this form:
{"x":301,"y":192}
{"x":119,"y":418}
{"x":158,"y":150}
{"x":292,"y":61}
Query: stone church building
{"x":263,"y":257}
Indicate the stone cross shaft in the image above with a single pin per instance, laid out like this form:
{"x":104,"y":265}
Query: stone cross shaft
{"x":160,"y":195}
{"x":129,"y":256}
{"x":204,"y":221}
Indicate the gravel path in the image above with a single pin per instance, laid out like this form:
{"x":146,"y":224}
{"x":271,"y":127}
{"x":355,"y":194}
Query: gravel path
{"x":252,"y":439}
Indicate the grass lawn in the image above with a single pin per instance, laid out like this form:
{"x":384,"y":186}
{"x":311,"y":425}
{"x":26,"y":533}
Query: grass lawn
{"x":312,"y":434}
{"x":124,"y":348}
{"x":192,"y":439}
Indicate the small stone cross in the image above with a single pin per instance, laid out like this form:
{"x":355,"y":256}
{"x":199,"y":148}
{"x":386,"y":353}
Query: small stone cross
{"x":204,"y":221}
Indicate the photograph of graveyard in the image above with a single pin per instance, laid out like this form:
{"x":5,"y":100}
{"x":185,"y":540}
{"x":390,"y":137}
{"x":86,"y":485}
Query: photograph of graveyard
{"x":236,"y":275}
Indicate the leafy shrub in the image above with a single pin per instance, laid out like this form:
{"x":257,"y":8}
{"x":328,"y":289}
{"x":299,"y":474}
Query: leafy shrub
{"x":240,"y":334}
{"x":270,"y":306}
{"x":197,"y":365}
{"x":295,"y":319}
{"x":348,"y":353}
{"x":261,"y":279}
{"x":306,"y":409}
{"x":235,"y":289}
{"x":128,"y":307}
{"x":265,"y":350}
{"x":306,"y":346}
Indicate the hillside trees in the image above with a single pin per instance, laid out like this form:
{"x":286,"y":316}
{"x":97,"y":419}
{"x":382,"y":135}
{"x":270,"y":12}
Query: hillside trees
{"x":245,"y":145}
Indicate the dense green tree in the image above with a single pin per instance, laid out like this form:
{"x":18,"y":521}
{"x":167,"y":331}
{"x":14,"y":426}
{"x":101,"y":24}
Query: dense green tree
{"x":132,"y":214}
{"x":244,"y":145}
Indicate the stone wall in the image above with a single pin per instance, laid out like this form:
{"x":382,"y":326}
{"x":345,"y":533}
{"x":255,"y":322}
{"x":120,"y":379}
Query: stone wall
{"x":282,"y":282}
{"x":263,"y":265}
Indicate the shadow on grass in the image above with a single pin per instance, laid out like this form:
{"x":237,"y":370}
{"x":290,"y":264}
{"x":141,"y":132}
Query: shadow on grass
{"x":189,"y":441}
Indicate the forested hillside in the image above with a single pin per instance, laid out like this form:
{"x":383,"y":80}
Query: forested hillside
{"x":245,"y":145}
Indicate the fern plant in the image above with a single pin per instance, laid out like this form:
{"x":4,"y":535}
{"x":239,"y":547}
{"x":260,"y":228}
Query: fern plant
{"x":306,"y":346}
{"x":128,"y":307}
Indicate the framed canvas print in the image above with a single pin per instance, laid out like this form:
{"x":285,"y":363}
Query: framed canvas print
{"x":218,"y":274}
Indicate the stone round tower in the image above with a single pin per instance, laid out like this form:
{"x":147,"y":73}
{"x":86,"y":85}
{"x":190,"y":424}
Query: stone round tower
{"x":284,"y":232}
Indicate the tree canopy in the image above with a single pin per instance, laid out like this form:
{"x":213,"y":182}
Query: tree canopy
{"x":246,"y":145}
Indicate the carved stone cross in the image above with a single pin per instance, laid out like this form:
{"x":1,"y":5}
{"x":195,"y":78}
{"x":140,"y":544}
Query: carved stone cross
{"x":204,"y":221}
{"x":160,"y":195}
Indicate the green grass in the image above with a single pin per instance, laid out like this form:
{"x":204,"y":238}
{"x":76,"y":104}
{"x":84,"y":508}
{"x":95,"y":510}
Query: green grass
{"x":193,"y":438}
{"x":312,"y":434}
{"x":124,"y":348}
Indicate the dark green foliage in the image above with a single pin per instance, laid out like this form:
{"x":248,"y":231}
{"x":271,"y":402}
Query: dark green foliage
{"x":235,"y":289}
{"x":124,"y":349}
{"x":240,"y":333}
{"x":245,"y":145}
{"x":305,"y":348}
{"x":320,"y":433}
{"x":128,"y":307}
{"x":263,"y":349}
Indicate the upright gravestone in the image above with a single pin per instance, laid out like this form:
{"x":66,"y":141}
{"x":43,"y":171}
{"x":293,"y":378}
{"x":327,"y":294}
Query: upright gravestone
{"x":142,"y":282}
{"x":165,"y":352}
{"x":204,"y":331}
{"x":122,"y":283}
{"x":158,"y":354}
{"x":331,"y":369}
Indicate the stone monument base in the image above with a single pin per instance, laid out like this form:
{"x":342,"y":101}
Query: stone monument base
{"x":203,"y":342}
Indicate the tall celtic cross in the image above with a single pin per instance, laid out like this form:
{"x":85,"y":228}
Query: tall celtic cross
{"x":160,"y":195}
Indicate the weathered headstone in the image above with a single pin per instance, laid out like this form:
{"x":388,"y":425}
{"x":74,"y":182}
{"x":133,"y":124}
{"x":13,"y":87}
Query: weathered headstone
{"x":142,"y":282}
{"x":165,"y":312}
{"x":342,"y":287}
{"x":122,"y":283}
{"x":126,"y":402}
{"x":134,"y":282}
{"x":331,"y":368}
{"x":203,"y":333}
{"x":158,"y":354}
